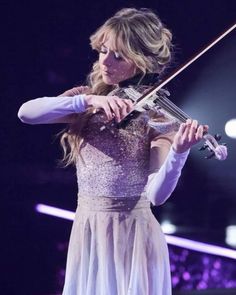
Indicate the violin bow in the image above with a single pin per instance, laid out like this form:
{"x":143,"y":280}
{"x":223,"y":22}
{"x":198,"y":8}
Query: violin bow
{"x":219,"y":151}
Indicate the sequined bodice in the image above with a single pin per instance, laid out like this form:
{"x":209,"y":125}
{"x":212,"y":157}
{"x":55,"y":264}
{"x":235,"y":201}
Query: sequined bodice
{"x":113,"y":162}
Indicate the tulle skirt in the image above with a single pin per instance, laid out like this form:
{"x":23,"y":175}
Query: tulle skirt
{"x":116,"y":248}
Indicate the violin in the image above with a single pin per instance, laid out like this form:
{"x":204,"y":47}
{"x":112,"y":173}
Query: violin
{"x":159,"y":102}
{"x":156,"y":98}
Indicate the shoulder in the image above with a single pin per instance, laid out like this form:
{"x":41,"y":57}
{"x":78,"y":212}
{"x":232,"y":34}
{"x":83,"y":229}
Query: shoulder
{"x":76,"y":91}
{"x":162,"y":125}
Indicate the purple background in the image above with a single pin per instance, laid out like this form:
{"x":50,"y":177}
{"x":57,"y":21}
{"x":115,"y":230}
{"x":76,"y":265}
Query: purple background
{"x":45,"y":50}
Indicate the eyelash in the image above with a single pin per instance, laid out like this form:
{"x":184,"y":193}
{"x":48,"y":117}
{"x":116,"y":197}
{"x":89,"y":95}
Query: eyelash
{"x":104,"y":51}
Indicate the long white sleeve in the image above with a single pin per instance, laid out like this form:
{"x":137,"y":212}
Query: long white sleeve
{"x":161,"y":184}
{"x":48,"y":109}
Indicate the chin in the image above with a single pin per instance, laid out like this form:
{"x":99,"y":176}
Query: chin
{"x":108,"y":81}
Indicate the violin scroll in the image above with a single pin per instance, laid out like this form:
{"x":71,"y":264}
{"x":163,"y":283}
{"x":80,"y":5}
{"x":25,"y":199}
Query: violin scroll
{"x":219,"y":151}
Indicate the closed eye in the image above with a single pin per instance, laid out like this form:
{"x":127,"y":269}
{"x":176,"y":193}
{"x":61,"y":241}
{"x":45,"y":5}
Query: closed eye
{"x":116,"y":55}
{"x":103,"y":49}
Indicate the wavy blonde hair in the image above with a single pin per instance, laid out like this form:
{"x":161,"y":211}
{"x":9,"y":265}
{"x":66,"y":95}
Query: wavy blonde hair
{"x":139,"y":36}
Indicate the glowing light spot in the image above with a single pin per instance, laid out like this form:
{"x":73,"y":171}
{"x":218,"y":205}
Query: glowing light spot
{"x":231,"y":235}
{"x":168,"y":227}
{"x":53,"y":211}
{"x":230,"y":128}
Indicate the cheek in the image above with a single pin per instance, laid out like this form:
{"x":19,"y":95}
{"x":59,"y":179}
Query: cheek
{"x":126,"y":70}
{"x":132,"y":69}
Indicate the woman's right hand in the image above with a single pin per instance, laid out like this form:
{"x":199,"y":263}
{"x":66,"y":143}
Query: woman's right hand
{"x":113,"y":106}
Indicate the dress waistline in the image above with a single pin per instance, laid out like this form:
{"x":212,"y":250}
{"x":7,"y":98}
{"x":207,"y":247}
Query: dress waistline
{"x":116,"y":204}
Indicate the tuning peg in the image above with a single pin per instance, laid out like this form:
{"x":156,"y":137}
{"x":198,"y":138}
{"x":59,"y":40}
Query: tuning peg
{"x":202,"y":148}
{"x":211,"y":155}
{"x":217,"y":137}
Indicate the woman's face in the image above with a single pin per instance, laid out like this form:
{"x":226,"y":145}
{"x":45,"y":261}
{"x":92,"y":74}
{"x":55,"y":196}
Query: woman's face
{"x":113,"y":67}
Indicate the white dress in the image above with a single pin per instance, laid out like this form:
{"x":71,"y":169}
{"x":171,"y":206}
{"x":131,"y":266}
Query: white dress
{"x":116,"y":246}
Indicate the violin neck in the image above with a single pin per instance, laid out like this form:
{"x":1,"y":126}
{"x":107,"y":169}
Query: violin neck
{"x":171,"y":108}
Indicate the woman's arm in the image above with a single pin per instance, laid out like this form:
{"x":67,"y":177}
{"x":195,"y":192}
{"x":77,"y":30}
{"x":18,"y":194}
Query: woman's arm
{"x":169,"y":160}
{"x":47,"y":110}
{"x":162,"y":183}
{"x":60,"y":109}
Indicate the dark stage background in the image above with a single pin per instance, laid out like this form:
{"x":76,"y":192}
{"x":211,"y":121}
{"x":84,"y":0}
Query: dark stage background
{"x":44,"y":51}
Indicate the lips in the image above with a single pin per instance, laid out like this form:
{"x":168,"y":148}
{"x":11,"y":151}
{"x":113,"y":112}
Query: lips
{"x":105,"y":72}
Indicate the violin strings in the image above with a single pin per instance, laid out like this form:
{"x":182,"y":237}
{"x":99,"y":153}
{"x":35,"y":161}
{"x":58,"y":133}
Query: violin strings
{"x":171,"y":112}
{"x":176,"y":108}
{"x":172,"y":109}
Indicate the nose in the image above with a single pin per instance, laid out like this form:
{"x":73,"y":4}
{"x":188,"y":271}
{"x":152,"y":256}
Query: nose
{"x":107,"y":59}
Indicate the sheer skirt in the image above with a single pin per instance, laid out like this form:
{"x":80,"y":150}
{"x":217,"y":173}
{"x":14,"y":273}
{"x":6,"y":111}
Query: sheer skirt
{"x":116,"y":248}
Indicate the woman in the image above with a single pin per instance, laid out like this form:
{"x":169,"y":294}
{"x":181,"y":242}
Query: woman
{"x":116,"y":244}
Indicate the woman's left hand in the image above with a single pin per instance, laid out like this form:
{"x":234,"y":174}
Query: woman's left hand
{"x":189,"y":134}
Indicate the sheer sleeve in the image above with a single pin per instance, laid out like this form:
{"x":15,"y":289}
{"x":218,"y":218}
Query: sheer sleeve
{"x":165,"y":168}
{"x":46,"y":110}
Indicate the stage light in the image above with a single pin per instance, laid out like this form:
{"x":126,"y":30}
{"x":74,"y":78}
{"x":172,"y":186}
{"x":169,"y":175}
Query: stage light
{"x":168,"y":227}
{"x":201,"y":247}
{"x":53,"y":211}
{"x":230,"y":128}
{"x":231,"y":235}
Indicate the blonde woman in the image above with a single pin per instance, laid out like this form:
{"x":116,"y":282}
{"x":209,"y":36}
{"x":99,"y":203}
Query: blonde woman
{"x":116,"y":245}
